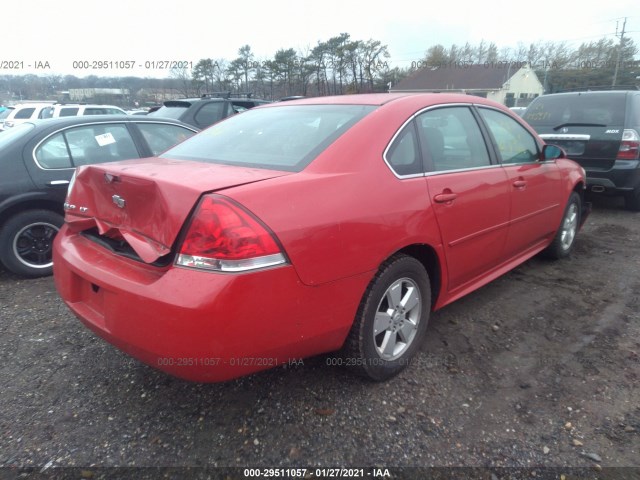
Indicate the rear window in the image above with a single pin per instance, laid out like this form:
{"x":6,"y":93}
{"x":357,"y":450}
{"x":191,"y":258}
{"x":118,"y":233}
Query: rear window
{"x":171,"y":110}
{"x":9,"y":136}
{"x":579,"y":109}
{"x":280,"y":138}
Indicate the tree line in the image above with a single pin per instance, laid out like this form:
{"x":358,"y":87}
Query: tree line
{"x":334,"y":67}
{"x":342,"y":65}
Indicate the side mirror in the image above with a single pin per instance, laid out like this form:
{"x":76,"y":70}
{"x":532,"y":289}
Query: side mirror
{"x":551,"y":152}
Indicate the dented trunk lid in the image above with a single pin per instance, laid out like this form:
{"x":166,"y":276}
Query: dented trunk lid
{"x":146,"y":202}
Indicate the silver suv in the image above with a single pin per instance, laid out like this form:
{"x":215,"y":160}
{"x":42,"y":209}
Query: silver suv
{"x":76,"y":109}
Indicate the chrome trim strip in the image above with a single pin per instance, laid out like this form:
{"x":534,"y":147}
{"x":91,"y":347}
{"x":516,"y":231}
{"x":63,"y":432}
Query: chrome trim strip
{"x":470,"y":169}
{"x":386,"y":150}
{"x":564,"y":136}
{"x":59,"y":182}
{"x":103,"y":122}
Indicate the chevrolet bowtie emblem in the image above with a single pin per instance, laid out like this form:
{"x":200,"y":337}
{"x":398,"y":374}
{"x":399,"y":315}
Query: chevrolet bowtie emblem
{"x":119,"y":201}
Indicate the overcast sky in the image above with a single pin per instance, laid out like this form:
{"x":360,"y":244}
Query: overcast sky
{"x":63,"y":31}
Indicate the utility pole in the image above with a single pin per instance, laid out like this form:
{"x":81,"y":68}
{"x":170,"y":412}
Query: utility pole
{"x":615,"y":73}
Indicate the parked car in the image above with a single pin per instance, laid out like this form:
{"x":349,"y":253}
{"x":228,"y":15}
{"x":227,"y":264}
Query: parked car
{"x":23,"y":113}
{"x":76,"y":109}
{"x":37,"y":160}
{"x":600,"y":131}
{"x":311,"y":226}
{"x":518,"y":110}
{"x":208,"y":109}
{"x":4,"y":114}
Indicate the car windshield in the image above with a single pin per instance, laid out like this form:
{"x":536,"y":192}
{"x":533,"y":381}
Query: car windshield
{"x":9,"y":136}
{"x":590,"y":109}
{"x":5,"y":113}
{"x":280,"y":138}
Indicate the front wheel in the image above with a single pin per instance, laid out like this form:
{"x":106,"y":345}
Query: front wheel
{"x":26,"y":242}
{"x":566,"y":235}
{"x":391,"y":320}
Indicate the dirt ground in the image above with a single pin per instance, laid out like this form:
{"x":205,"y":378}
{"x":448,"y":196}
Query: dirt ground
{"x":541,"y":368}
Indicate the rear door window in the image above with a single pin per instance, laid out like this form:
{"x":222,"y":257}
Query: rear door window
{"x":24,"y":113}
{"x":85,"y":145}
{"x":69,"y":112}
{"x":451,"y":139}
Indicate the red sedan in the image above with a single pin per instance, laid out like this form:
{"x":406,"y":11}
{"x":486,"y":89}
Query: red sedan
{"x":311,"y":226}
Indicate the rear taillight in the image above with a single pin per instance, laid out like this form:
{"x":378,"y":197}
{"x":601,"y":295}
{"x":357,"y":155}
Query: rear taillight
{"x":224,"y":237}
{"x":630,"y":145}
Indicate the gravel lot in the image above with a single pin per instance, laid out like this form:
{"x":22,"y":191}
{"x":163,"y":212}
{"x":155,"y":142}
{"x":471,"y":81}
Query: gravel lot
{"x":539,"y":368}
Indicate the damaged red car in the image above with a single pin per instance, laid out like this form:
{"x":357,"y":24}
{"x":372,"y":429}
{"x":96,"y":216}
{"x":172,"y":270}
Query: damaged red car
{"x":311,"y":226}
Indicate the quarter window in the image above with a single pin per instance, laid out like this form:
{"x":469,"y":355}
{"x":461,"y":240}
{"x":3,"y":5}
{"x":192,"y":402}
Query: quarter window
{"x":514,"y":143}
{"x":403,"y":156}
{"x":53,"y":153}
{"x":451,"y":139}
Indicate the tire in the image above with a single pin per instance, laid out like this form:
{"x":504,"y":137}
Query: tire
{"x":26,"y":242}
{"x":397,"y":303}
{"x":632,"y":200}
{"x":565,"y":237}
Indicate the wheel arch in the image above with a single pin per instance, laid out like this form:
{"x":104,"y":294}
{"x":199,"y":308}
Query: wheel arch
{"x":29,"y":204}
{"x":428,"y":256}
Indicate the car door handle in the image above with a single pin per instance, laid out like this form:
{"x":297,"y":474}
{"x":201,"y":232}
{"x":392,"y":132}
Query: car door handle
{"x":58,"y":182}
{"x":445,"y":197}
{"x":520,"y":183}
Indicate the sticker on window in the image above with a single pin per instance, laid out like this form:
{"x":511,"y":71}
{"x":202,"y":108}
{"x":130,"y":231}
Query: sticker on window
{"x":105,"y":139}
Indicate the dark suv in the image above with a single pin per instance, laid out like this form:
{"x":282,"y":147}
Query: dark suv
{"x":37,"y":161}
{"x":208,"y":109}
{"x":600,"y":131}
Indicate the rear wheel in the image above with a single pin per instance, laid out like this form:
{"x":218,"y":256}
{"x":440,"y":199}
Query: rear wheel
{"x":566,"y":235}
{"x":26,"y":242}
{"x":391,"y":320}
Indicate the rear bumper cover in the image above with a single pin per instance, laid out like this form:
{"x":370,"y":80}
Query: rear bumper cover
{"x":624,"y":177}
{"x":202,"y":326}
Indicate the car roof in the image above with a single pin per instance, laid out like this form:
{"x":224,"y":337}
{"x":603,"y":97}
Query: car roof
{"x":86,"y":119}
{"x":34,"y":104}
{"x":385,"y":98}
{"x":61,"y":105}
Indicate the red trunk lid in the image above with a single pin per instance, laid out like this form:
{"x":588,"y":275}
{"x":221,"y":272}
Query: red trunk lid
{"x":147,"y":202}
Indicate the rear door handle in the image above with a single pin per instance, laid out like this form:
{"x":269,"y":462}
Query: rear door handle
{"x":445,"y":197}
{"x":520,"y":183}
